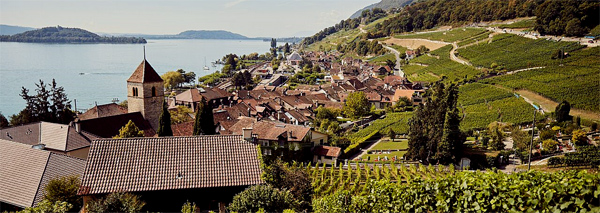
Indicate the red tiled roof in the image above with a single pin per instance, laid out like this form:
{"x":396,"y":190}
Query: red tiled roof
{"x":329,"y":151}
{"x":102,"y":111}
{"x":26,"y":171}
{"x":183,"y":129}
{"x":144,"y":73}
{"x":167,"y":163}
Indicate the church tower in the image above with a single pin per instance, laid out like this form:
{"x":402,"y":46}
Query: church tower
{"x":145,"y":93}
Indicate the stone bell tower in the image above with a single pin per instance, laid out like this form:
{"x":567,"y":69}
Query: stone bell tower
{"x":145,"y":93}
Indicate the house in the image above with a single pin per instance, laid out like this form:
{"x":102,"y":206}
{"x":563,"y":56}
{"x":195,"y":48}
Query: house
{"x":272,"y":136}
{"x":412,"y":95}
{"x":53,"y":137}
{"x":25,"y":171}
{"x":326,"y":154}
{"x":191,"y":98}
{"x":294,"y":59}
{"x":108,"y":127}
{"x":168,"y":171}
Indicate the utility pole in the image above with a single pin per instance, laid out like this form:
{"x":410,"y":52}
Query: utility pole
{"x":532,"y":135}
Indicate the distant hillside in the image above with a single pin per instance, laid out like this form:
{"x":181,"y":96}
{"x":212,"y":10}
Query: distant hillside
{"x":11,"y":30}
{"x":383,"y":4}
{"x":66,"y":35}
{"x":210,"y":34}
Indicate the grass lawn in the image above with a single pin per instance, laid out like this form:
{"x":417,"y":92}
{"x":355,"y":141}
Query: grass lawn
{"x":387,"y":145}
{"x":373,"y":157}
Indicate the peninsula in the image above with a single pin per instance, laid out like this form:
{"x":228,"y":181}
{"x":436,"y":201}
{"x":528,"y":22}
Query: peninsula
{"x":60,"y":34}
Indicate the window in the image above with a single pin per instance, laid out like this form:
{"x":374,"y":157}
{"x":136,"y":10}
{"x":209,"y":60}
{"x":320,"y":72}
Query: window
{"x":267,"y":152}
{"x":135,"y":92}
{"x":153,"y":92}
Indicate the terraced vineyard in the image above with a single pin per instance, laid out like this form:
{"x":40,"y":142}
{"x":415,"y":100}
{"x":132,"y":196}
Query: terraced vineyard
{"x":398,"y":122}
{"x":327,"y":181}
{"x":483,"y":104}
{"x":447,"y":36}
{"x":433,"y":68}
{"x":515,"y":52}
{"x":577,"y":82}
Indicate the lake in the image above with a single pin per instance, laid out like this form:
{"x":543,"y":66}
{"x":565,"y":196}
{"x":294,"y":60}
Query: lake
{"x":98,"y":72}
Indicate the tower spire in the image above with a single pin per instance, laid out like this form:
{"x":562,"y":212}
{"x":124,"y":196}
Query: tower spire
{"x":144,"y":52}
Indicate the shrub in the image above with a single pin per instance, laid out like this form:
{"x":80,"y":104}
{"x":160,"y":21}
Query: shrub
{"x":116,"y":202}
{"x":47,"y":206}
{"x":64,"y":189}
{"x":259,"y":197}
{"x":189,"y":207}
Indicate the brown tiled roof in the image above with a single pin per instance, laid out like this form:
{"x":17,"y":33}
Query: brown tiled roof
{"x":190,"y":95}
{"x":58,"y":137}
{"x":26,"y":171}
{"x":329,"y":151}
{"x":102,"y":111}
{"x":144,"y":73}
{"x":183,"y":129}
{"x":107,"y":127}
{"x":167,"y":163}
{"x":267,"y":130}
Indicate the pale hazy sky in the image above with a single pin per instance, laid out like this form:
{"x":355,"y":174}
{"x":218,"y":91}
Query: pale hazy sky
{"x":252,"y":18}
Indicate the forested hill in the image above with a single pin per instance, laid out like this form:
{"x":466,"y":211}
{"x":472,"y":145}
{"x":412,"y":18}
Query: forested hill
{"x":67,"y":35}
{"x":11,"y":30}
{"x":383,"y":4}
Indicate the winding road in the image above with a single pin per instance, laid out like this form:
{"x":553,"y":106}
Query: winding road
{"x":397,"y":70}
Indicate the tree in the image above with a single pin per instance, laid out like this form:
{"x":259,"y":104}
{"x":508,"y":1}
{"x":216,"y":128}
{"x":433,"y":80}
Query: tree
{"x":357,"y":105}
{"x":188,"y":77}
{"x":172,"y":79}
{"x":390,"y":63}
{"x":130,"y":130}
{"x":392,"y":134}
{"x":434,"y":136}
{"x":3,"y":121}
{"x":264,"y":197}
{"x":116,"y":202}
{"x":520,"y":138}
{"x":497,"y":135}
{"x":273,"y":43}
{"x":47,"y":206}
{"x":549,"y":145}
{"x":164,"y":122}
{"x":64,"y":189}
{"x":204,"y":124}
{"x":286,"y":48}
{"x":289,"y":178}
{"x":47,"y":105}
{"x":180,"y":115}
{"x":579,"y":138}
{"x":562,"y":112}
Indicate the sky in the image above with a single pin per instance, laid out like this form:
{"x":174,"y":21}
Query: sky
{"x":252,"y":18}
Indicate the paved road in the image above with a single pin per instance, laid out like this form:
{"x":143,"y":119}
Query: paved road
{"x":397,"y":53}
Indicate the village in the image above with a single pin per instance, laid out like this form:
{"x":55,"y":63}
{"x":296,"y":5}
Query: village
{"x":271,"y":116}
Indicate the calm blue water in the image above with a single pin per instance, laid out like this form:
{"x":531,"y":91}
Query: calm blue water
{"x":106,"y":67}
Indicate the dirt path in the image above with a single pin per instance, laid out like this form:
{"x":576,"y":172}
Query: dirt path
{"x":415,"y":43}
{"x":549,"y":105}
{"x":454,"y":58}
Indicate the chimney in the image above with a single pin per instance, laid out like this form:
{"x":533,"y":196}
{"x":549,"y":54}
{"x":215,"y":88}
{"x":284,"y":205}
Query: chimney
{"x":249,"y":114}
{"x":247,"y":134}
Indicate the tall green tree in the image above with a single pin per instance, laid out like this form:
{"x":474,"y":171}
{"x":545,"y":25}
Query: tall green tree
{"x":164,"y":122}
{"x":273,"y":43}
{"x":562,"y":112}
{"x":357,"y":105}
{"x":172,"y":79}
{"x":204,"y":124}
{"x":497,"y":135}
{"x":51,"y":105}
{"x":3,"y":121}
{"x":130,"y":130}
{"x":286,"y":48}
{"x":434,"y":134}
